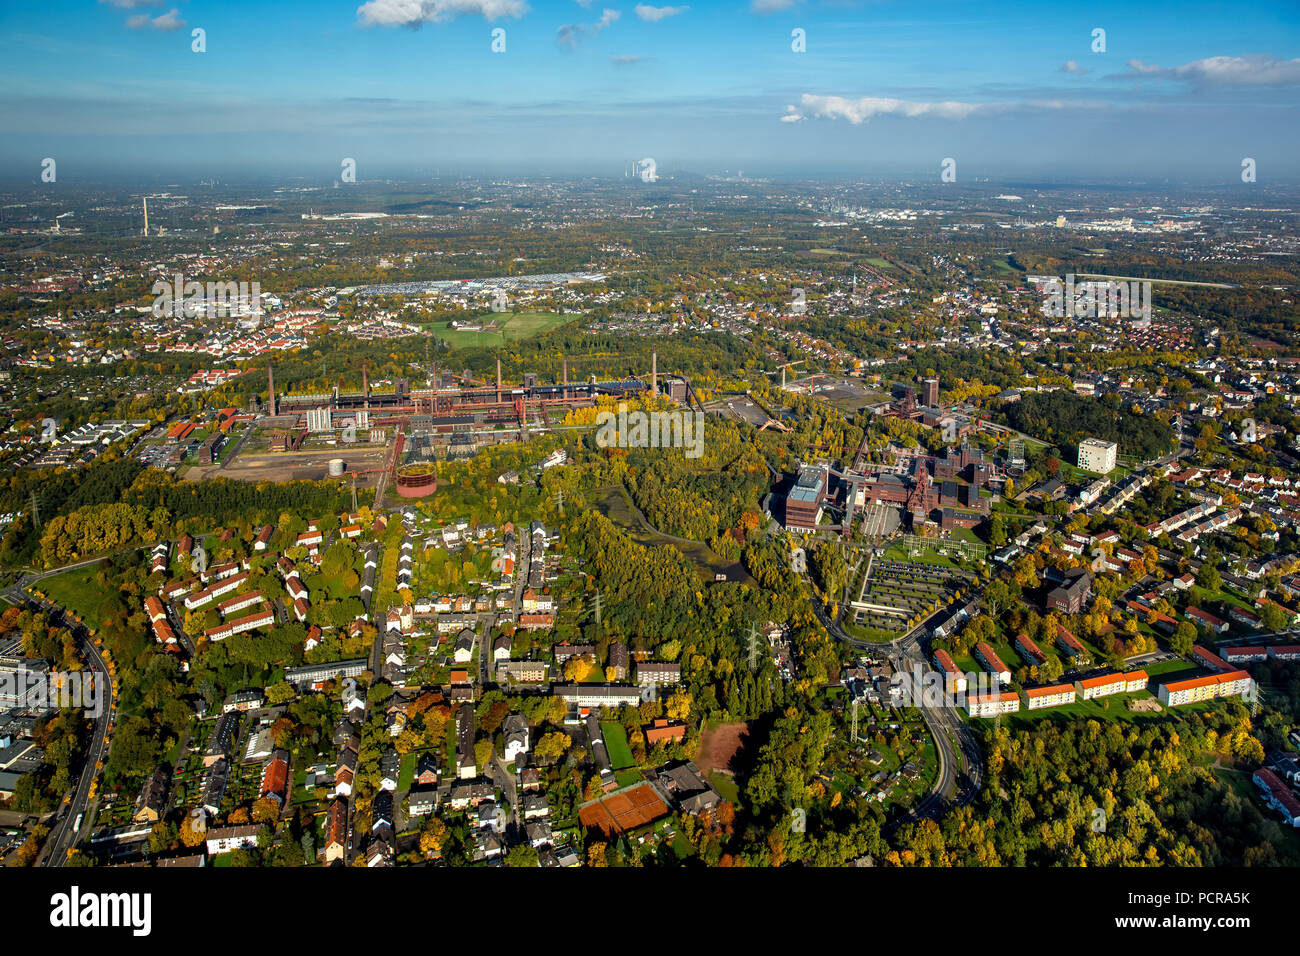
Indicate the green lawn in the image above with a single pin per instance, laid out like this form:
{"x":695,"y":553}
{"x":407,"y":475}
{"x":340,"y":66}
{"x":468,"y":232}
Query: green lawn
{"x":902,"y":554}
{"x":407,"y":774}
{"x":1090,"y":710}
{"x":511,"y":327}
{"x":626,"y":778}
{"x":76,"y":590}
{"x":620,"y":754}
{"x":1164,"y":668}
{"x":725,"y":784}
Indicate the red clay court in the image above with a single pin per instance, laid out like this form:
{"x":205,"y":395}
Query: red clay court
{"x":624,"y":811}
{"x":719,"y":745}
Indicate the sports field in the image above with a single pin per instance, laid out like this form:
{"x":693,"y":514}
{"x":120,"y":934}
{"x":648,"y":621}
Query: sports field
{"x":624,"y":811}
{"x":620,"y":754}
{"x":510,"y":327}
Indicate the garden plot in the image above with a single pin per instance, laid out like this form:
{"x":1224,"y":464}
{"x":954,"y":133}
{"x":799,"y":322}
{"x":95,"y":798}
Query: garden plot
{"x":896,"y":596}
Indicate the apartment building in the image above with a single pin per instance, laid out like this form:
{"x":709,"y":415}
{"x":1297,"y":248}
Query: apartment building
{"x":991,"y":705}
{"x":1210,"y":687}
{"x":1053,"y":695}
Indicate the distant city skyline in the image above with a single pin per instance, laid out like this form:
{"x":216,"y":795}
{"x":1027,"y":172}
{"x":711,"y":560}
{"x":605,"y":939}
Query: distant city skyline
{"x":1007,"y":90}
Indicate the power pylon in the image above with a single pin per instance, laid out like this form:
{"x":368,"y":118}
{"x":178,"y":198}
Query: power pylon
{"x":753,"y":643}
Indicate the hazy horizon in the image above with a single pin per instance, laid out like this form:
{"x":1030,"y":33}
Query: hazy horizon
{"x":1009,"y":91}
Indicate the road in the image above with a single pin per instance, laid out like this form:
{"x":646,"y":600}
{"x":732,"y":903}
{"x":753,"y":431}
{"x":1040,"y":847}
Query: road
{"x":62,"y":836}
{"x":955,"y":785}
{"x":233,"y":453}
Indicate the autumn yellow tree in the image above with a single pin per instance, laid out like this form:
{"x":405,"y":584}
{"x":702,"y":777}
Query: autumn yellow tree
{"x":679,"y":705}
{"x":193,"y":830}
{"x":432,"y":837}
{"x":577,"y":669}
{"x":266,"y":810}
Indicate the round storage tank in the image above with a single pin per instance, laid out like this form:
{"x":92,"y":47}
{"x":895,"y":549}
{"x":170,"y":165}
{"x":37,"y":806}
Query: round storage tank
{"x":336,"y":467}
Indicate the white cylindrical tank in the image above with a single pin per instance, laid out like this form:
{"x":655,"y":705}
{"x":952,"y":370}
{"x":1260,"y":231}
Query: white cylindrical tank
{"x":336,"y":467}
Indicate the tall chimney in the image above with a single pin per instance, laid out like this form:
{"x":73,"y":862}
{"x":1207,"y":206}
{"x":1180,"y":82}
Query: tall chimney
{"x":270,"y":386}
{"x":498,"y":380}
{"x":146,"y":215}
{"x":654,"y":374}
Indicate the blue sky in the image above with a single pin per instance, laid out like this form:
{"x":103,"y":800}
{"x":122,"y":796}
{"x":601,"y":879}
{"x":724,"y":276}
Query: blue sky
{"x":1012,"y":91}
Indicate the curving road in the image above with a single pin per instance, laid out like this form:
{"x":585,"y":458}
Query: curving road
{"x":957,"y":782}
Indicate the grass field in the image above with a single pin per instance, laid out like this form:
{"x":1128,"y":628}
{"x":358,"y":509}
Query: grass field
{"x":1089,"y":710}
{"x":620,"y":754}
{"x":626,"y":778}
{"x":725,"y":784}
{"x":77,"y":591}
{"x":1164,"y":668}
{"x":511,"y":327}
{"x":900,"y":553}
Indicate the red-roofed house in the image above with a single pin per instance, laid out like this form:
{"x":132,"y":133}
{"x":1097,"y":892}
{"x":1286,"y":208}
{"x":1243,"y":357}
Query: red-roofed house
{"x":275,"y":778}
{"x":953,"y":679}
{"x":1053,"y":695}
{"x":992,"y":663}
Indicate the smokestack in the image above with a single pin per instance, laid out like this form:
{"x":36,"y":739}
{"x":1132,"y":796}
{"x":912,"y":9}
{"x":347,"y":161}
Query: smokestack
{"x":498,"y":380}
{"x":270,"y":386}
{"x":146,"y":215}
{"x":566,"y":371}
{"x":654,"y":374}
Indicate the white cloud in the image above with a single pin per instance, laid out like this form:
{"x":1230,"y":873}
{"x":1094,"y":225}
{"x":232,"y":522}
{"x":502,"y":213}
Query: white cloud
{"x":1070,"y":66}
{"x":412,"y":13}
{"x":571,"y":33}
{"x":655,"y":14}
{"x":132,"y":4}
{"x":1137,"y":66}
{"x":627,"y":59}
{"x":860,"y":110}
{"x":764,"y":7}
{"x":171,"y":20}
{"x":1251,"y":70}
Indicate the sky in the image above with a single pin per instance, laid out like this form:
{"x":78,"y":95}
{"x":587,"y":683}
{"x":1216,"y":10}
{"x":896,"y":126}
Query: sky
{"x":1010,"y":91}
